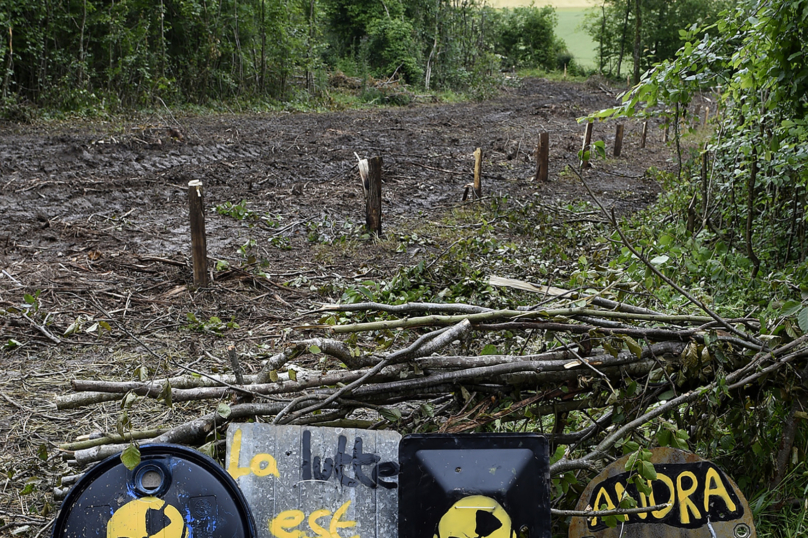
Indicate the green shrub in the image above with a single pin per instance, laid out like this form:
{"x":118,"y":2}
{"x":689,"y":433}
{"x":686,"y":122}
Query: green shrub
{"x":392,"y":49}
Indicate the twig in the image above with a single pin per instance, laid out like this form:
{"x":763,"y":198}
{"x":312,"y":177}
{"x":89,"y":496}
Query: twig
{"x":601,"y":513}
{"x":425,"y":345}
{"x":657,"y":272}
{"x":505,"y":314}
{"x":158,"y":357}
{"x":43,"y":330}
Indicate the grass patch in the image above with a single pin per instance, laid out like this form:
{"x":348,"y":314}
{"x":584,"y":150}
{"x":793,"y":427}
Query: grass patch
{"x":578,"y":42}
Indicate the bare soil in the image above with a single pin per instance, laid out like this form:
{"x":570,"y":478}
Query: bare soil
{"x":94,"y":216}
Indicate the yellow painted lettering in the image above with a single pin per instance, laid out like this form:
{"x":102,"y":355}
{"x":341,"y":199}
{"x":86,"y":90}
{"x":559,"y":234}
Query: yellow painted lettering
{"x":280,"y":526}
{"x":659,"y":514}
{"x":602,"y":494}
{"x":235,"y":452}
{"x":271,"y":466}
{"x":337,"y":524}
{"x":683,"y":496}
{"x":313,"y":525}
{"x":713,"y":485}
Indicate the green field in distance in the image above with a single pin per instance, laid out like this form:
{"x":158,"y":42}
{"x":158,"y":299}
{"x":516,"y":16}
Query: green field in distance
{"x":570,"y":16}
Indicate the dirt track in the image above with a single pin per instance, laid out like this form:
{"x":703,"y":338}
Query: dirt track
{"x":96,"y":216}
{"x":123,"y":190}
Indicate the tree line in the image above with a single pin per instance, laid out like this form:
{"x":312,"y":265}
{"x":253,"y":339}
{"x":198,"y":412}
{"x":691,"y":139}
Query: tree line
{"x":74,"y":54}
{"x":638,"y":34}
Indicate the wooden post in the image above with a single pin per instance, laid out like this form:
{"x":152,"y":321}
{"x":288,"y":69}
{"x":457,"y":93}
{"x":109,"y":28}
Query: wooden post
{"x":628,"y":81}
{"x":587,"y":144}
{"x":706,"y":117}
{"x":543,"y":156}
{"x":374,"y":198}
{"x":618,"y":140}
{"x":199,"y":247}
{"x":644,"y":134}
{"x":478,"y":164}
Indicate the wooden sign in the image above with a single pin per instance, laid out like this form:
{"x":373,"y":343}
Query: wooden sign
{"x":704,"y":502}
{"x":307,"y":482}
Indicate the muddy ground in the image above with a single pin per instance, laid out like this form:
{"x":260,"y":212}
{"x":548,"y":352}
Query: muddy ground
{"x":93,"y":218}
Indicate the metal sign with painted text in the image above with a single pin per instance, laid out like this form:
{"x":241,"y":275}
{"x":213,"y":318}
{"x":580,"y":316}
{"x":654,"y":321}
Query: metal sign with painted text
{"x":303,"y":482}
{"x":703,"y":502}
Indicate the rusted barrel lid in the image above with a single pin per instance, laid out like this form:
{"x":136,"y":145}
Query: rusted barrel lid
{"x":703,"y":501}
{"x":174,"y":492}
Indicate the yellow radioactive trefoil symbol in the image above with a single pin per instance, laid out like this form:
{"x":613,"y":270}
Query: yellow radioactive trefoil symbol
{"x":475,"y":516}
{"x":131,"y":520}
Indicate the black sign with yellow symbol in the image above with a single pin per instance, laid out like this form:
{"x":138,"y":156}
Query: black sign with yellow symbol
{"x":701,"y":501}
{"x":474,"y":486}
{"x":174,"y":492}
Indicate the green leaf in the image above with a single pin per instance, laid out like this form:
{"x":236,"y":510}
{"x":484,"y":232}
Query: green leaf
{"x":664,"y":437}
{"x":128,"y":399}
{"x":165,"y":394}
{"x":223,"y":410}
{"x":74,"y":327}
{"x":629,"y":447}
{"x":609,"y":349}
{"x":489,"y":349}
{"x":314,"y":350}
{"x":391,"y":415}
{"x":790,"y":308}
{"x":28,"y":298}
{"x":209,"y":449}
{"x":273,"y":376}
{"x":643,"y":486}
{"x":42,"y":452}
{"x":647,"y":470}
{"x":802,"y":319}
{"x":465,"y":393}
{"x":292,"y":374}
{"x":659,"y":260}
{"x":667,"y":395}
{"x":123,"y":423}
{"x":559,"y":453}
{"x":130,"y":457}
{"x":29,"y":488}
{"x":633,"y":346}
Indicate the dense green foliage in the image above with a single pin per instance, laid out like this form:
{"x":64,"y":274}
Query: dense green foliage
{"x":732,"y":227}
{"x":86,"y":54}
{"x":613,"y":27}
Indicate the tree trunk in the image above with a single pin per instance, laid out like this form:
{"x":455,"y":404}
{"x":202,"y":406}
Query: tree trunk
{"x":637,"y":43}
{"x":602,"y":33}
{"x":750,"y":213}
{"x":784,"y":453}
{"x":623,"y":38}
{"x":10,"y":64}
{"x":263,"y":48}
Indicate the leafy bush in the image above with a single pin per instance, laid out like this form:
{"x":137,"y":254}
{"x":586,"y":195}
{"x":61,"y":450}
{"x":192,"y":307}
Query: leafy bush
{"x":392,"y":49}
{"x":525,"y":37}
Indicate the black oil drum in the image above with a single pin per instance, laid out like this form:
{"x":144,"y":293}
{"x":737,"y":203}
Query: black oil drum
{"x":174,"y":492}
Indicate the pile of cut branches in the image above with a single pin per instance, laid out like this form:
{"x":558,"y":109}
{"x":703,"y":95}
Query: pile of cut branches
{"x":619,"y":366}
